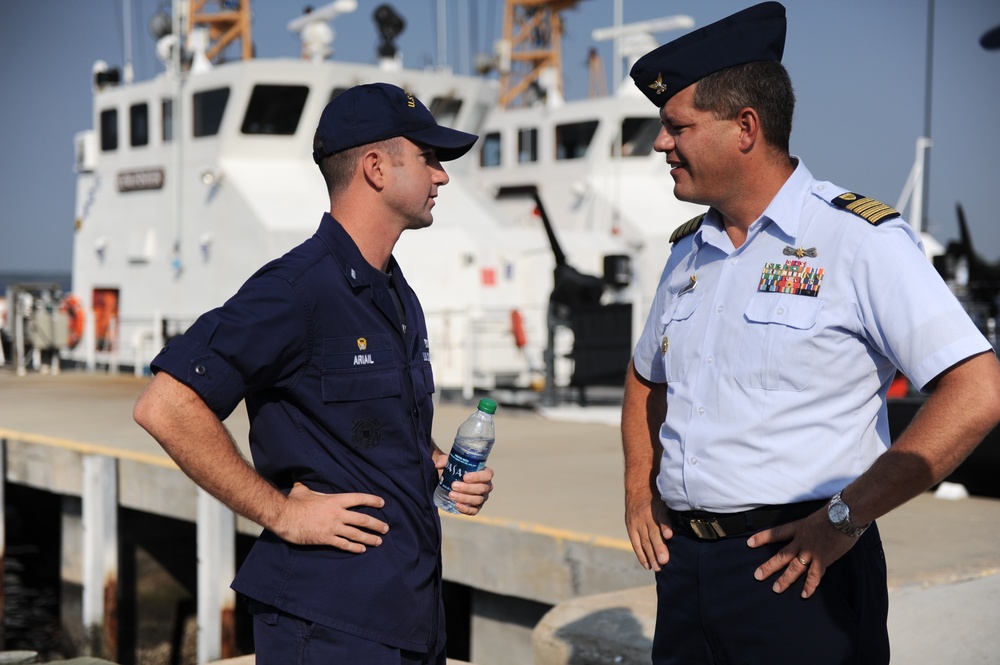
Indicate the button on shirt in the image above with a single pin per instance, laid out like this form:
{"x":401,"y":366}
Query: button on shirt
{"x":339,"y":398}
{"x":778,"y":354}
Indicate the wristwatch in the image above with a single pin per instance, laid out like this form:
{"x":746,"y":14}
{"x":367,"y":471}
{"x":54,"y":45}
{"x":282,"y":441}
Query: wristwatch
{"x":840,"y":517}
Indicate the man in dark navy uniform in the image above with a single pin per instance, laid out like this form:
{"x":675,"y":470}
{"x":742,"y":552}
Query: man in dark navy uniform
{"x":329,"y":348}
{"x":757,"y":450}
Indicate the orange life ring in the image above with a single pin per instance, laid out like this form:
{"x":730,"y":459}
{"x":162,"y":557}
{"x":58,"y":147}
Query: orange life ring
{"x":517,"y":329}
{"x":71,"y":306}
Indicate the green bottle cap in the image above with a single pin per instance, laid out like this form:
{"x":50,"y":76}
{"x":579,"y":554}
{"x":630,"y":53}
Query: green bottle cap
{"x":487,"y":405}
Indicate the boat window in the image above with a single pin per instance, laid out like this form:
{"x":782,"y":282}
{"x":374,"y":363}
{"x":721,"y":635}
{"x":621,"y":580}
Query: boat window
{"x":573,"y":139}
{"x":527,"y":145}
{"x":274,"y":109}
{"x":489,"y":155}
{"x":167,"y":120}
{"x":138,"y":124}
{"x":109,"y":130}
{"x":638,"y":135}
{"x":336,"y":92}
{"x":445,"y":110}
{"x":207,"y":109}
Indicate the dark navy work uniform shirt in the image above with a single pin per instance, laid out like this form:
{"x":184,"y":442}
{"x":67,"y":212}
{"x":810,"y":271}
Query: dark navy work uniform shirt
{"x":339,"y":398}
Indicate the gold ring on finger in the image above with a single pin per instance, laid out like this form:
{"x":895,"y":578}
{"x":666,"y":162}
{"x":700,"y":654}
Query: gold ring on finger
{"x":802,"y":561}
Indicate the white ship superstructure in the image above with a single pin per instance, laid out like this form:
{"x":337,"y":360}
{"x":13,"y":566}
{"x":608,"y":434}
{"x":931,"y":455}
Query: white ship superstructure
{"x":189,"y":182}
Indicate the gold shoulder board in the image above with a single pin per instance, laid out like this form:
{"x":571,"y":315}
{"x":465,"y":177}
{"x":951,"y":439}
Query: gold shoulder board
{"x":868,"y":209}
{"x":687,"y":228}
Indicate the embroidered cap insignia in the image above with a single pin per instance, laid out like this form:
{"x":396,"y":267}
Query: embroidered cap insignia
{"x":362,"y":344}
{"x":658,"y":85}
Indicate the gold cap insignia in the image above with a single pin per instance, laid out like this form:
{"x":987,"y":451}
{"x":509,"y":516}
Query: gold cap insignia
{"x":362,"y":344}
{"x":658,"y":85}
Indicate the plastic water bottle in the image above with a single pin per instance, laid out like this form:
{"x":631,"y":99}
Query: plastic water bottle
{"x":472,"y":446}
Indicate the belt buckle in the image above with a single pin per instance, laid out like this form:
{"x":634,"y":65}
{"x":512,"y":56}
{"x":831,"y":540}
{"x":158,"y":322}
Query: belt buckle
{"x":707,"y":529}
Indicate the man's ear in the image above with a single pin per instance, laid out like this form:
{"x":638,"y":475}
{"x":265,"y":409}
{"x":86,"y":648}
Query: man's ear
{"x":373,"y":166}
{"x":749,"y":123}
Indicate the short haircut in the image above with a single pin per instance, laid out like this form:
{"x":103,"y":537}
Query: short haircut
{"x":762,"y":85}
{"x":338,"y":168}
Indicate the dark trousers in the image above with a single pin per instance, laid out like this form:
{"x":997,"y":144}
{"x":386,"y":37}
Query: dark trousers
{"x":711,"y":610}
{"x":284,"y":639}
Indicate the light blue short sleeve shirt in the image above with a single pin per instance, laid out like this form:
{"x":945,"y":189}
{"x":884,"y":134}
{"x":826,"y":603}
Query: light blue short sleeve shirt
{"x":778,"y":354}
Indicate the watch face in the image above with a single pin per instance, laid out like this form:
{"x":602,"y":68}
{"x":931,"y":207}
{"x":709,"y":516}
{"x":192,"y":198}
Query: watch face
{"x":838,"y":512}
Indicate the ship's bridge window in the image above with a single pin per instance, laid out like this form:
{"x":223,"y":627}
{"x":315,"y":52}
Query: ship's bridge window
{"x":138,"y":124}
{"x":573,"y":139}
{"x":489,"y":155}
{"x":109,"y":130}
{"x":638,"y":135}
{"x":274,"y":109}
{"x":167,"y":120}
{"x":207,"y":109}
{"x":527,"y":145}
{"x":445,"y":110}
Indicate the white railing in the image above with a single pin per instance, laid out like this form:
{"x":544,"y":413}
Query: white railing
{"x":470,"y":349}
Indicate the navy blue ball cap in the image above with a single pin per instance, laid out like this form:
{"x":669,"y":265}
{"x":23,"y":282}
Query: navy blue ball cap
{"x":753,"y":34}
{"x":377,"y":111}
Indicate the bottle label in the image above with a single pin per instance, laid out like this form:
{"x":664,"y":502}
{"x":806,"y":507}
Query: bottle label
{"x":460,"y":464}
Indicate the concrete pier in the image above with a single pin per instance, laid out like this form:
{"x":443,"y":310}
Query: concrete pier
{"x":545,"y":573}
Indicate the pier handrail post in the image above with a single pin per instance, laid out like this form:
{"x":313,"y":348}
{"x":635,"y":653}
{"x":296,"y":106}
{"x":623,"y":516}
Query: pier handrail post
{"x":100,"y":554}
{"x":216,"y":568}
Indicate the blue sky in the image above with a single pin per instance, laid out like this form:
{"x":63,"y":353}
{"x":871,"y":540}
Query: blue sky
{"x":858,"y":68}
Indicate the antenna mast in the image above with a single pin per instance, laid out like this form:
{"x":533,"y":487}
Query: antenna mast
{"x":230,"y":22}
{"x":531,"y":48}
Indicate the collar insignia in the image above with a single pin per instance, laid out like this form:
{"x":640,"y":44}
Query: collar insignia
{"x":799,"y":252}
{"x":658,"y":85}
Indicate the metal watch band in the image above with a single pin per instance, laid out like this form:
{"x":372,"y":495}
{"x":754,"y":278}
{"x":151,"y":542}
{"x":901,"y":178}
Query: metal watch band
{"x":844,"y":526}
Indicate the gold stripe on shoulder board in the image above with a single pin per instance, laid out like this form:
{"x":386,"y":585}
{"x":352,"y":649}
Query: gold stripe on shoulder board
{"x":687,"y":228}
{"x":868,"y":209}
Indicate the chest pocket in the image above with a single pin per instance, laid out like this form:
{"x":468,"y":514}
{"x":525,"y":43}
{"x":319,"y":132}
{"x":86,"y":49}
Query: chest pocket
{"x":678,"y":337}
{"x":359,"y":368}
{"x":775,"y":349}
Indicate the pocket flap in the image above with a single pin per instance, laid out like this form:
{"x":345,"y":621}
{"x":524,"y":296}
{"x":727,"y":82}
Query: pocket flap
{"x":793,"y":311}
{"x":681,"y":308}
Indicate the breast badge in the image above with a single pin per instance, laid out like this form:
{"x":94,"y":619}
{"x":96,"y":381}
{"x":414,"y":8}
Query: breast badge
{"x":366,"y":433}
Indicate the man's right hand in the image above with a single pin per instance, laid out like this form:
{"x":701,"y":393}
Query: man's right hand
{"x":649,"y":530}
{"x":314,"y":518}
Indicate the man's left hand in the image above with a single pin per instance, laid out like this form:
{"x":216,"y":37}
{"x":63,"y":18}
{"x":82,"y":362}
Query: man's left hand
{"x":813,"y":545}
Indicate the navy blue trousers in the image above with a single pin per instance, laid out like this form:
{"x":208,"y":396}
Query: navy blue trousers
{"x":711,"y":610}
{"x":284,"y":639}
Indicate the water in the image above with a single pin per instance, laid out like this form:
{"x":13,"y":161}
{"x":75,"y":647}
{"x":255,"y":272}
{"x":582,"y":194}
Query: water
{"x":8,"y":278}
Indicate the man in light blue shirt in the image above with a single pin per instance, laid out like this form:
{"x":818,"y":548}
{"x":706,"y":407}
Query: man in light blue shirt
{"x":754,"y":424}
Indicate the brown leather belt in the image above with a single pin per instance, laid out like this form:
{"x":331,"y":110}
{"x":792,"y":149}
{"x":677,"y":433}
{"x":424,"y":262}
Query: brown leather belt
{"x":713,"y":526}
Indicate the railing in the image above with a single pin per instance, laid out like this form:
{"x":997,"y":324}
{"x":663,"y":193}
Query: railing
{"x":470,"y":349}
